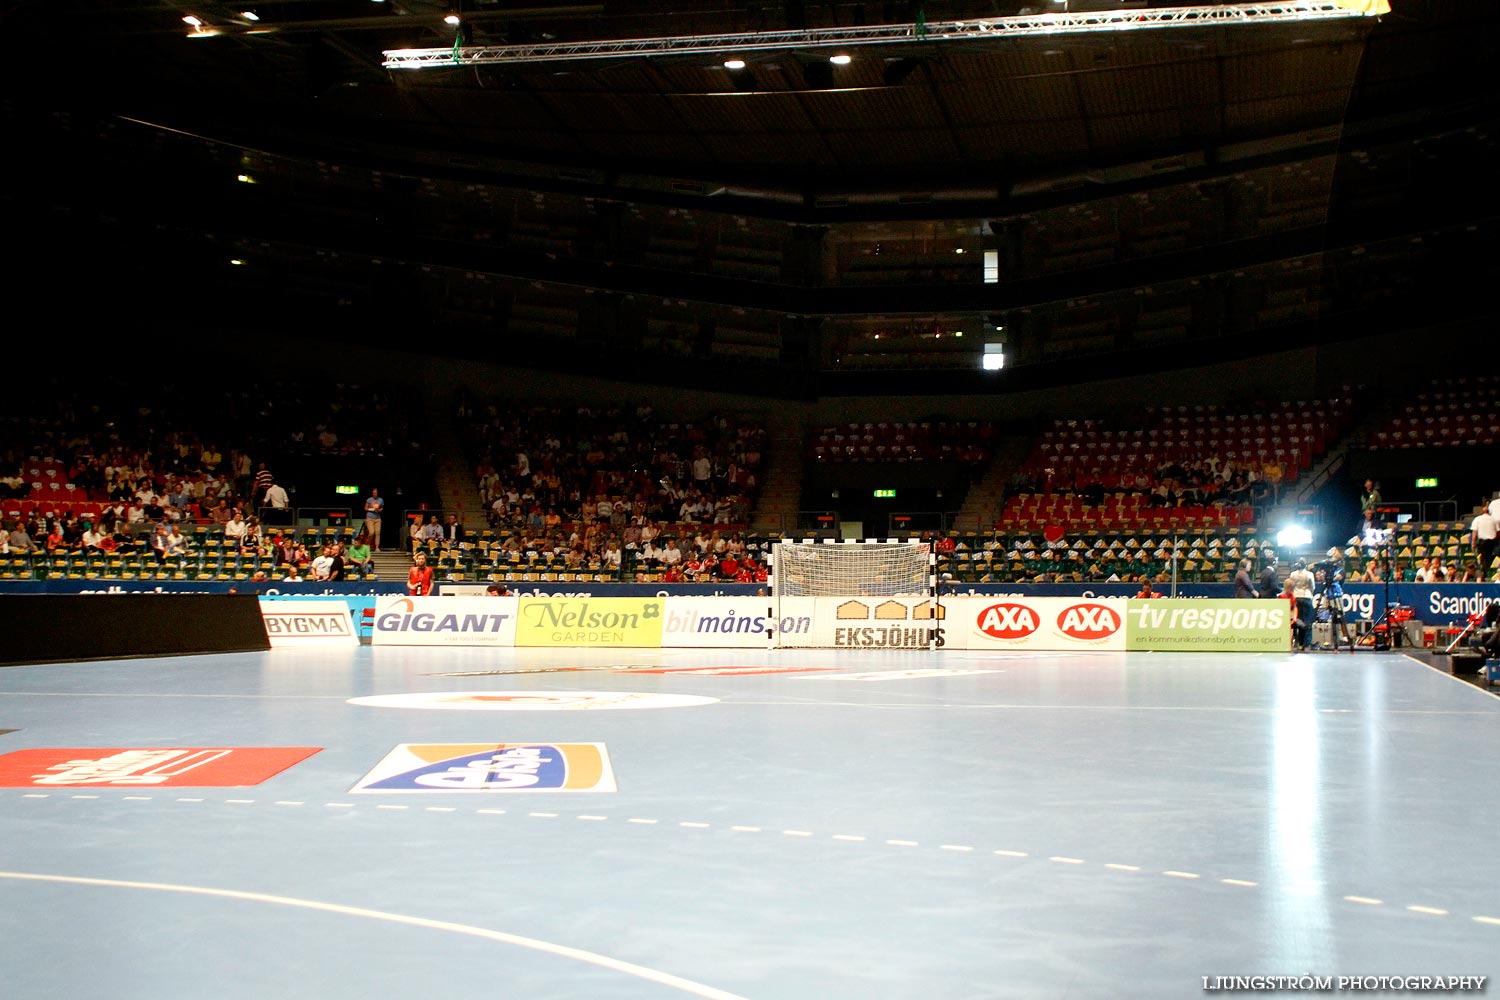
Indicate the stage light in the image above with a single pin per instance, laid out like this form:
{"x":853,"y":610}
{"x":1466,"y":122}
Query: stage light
{"x":1293,"y":536}
{"x":993,"y":358}
{"x":840,"y":60}
{"x":734,"y":64}
{"x":190,"y":19}
{"x":249,"y":15}
{"x":452,"y":19}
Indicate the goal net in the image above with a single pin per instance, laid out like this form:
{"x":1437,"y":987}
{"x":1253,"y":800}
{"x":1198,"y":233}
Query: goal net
{"x":852,"y":595}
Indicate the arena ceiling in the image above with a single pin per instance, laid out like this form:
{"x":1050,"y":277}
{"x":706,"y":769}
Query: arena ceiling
{"x":933,"y":116}
{"x":921,"y":138}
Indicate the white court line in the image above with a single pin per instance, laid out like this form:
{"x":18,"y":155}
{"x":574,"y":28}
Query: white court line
{"x":797,"y":833}
{"x":954,"y":847}
{"x":848,"y":836}
{"x":1066,"y":861}
{"x":902,"y":843}
{"x":1429,"y":910}
{"x":285,"y":802}
{"x":384,"y":806}
{"x":1177,"y":874}
{"x":1239,"y":881}
{"x":1123,"y":868}
{"x":562,"y":951}
{"x":746,"y":829}
{"x":1487,"y":920}
{"x":1364,"y":900}
{"x":1012,"y":854}
{"x":594,"y":819}
{"x":695,"y":826}
{"x":646,"y":822}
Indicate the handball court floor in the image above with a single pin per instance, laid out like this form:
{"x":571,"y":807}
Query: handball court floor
{"x":1012,"y":825}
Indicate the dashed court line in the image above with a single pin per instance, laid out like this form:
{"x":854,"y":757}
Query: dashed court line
{"x":1368,"y":901}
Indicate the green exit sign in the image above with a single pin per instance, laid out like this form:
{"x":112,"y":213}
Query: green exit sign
{"x":1427,"y":483}
{"x":346,"y":490}
{"x":885,"y":493}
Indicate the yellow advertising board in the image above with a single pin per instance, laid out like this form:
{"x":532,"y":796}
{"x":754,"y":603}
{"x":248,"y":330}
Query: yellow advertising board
{"x":590,"y":621}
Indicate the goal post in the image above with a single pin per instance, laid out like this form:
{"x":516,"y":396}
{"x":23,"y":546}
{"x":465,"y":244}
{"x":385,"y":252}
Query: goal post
{"x":830,"y":595}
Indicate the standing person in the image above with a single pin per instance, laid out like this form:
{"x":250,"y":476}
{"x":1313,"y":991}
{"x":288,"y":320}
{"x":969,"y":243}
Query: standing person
{"x":1331,"y":575}
{"x":1288,"y":595}
{"x":1369,"y":500}
{"x":1269,"y":586}
{"x":1482,"y":533}
{"x":1242,"y":585}
{"x":374,"y":509}
{"x":419,"y":580}
{"x":279,"y":503}
{"x":1301,"y":583}
{"x":263,"y":481}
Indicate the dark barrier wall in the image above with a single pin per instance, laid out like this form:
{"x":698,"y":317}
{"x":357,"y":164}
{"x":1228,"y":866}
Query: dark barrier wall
{"x":44,"y":629}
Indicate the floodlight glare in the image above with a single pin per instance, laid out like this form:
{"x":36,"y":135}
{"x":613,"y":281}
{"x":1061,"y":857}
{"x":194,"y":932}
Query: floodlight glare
{"x":249,"y":15}
{"x":840,"y":60}
{"x":1293,"y":536}
{"x":993,"y":358}
{"x":734,"y":64}
{"x":190,"y":19}
{"x":452,"y":19}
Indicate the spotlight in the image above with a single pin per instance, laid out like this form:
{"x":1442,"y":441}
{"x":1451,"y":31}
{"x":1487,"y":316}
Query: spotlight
{"x":452,"y":20}
{"x":249,"y":15}
{"x":840,"y":60}
{"x":734,"y":64}
{"x":191,"y":20}
{"x":993,"y":358}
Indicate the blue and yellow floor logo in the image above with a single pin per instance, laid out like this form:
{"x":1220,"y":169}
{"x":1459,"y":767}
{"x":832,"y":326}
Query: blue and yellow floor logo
{"x":492,"y":767}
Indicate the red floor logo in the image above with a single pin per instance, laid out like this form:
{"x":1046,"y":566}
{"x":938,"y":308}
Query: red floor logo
{"x":147,"y":767}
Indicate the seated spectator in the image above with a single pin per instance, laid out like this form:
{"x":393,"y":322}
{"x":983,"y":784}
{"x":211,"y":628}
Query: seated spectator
{"x":176,"y":543}
{"x":359,"y":557}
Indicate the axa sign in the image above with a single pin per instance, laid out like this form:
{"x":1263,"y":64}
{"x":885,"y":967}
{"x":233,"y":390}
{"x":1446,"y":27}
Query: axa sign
{"x":1008,"y":621}
{"x":1088,"y":621}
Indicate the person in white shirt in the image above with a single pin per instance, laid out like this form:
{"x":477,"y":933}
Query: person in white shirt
{"x":234,"y":528}
{"x":323,"y":565}
{"x":671,"y":554}
{"x":1482,"y":534}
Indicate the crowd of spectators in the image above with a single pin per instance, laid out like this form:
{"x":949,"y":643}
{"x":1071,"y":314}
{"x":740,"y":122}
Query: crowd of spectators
{"x":73,"y":466}
{"x":609,"y":485}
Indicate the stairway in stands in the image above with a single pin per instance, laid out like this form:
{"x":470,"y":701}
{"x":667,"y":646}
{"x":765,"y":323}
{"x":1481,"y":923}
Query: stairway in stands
{"x":986,"y":498}
{"x":780,"y":494}
{"x":391,"y":564}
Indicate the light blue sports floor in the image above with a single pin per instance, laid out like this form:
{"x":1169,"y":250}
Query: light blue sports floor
{"x":1045,"y":826}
